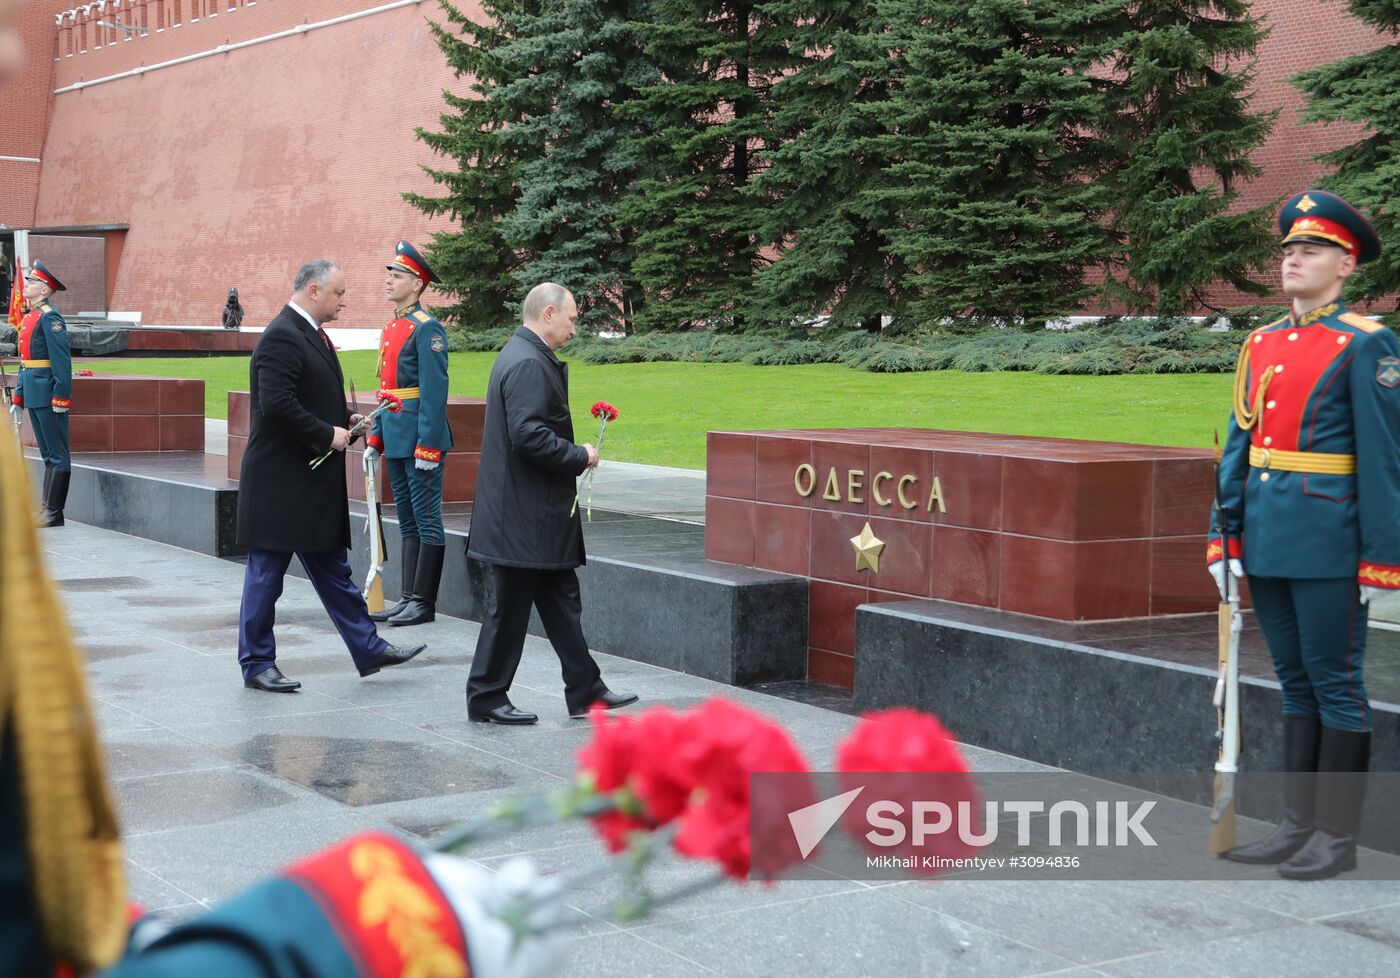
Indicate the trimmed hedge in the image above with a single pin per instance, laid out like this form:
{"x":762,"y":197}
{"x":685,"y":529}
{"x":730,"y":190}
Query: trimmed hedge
{"x":1114,"y":346}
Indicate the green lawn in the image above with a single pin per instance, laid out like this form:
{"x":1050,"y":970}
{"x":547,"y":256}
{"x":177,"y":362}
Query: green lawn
{"x":666,"y":408}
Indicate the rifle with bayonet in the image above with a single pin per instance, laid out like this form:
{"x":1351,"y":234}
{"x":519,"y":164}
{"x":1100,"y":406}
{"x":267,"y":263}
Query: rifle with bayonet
{"x":373,"y":591}
{"x":1227,"y":686}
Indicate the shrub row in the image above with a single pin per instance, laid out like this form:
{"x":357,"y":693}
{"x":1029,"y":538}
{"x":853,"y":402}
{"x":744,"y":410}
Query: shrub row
{"x":1114,"y":346}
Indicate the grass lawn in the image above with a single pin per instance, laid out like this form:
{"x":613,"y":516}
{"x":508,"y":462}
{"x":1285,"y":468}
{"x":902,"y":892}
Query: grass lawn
{"x":666,"y":408}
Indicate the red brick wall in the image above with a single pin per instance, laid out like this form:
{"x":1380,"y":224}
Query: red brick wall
{"x":1303,"y":34}
{"x":232,"y":169}
{"x":24,"y":112}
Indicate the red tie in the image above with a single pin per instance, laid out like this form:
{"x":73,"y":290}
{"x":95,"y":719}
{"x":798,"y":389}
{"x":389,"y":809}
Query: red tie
{"x":327,"y":337}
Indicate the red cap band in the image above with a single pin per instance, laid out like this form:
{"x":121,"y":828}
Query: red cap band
{"x":1324,"y":230}
{"x":413,"y":267}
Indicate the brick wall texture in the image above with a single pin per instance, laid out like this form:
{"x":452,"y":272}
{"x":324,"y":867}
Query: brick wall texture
{"x":232,"y":169}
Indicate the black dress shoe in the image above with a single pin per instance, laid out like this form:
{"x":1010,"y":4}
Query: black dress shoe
{"x":272,"y":681}
{"x":392,"y":656}
{"x":608,"y":700}
{"x":504,"y":714}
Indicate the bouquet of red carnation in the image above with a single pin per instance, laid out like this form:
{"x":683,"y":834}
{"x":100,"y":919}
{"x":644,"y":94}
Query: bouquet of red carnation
{"x":604,"y":412}
{"x":667,"y":780}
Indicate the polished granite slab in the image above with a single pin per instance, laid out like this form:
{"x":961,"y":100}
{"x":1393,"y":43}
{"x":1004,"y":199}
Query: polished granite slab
{"x":219,"y":786}
{"x":1112,"y":698}
{"x":180,"y":498}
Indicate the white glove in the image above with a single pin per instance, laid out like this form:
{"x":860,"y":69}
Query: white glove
{"x":425,"y":465}
{"x":372,"y":455}
{"x":59,"y":410}
{"x":1369,"y":592}
{"x":485,"y":901}
{"x":16,"y":413}
{"x":1217,"y":571}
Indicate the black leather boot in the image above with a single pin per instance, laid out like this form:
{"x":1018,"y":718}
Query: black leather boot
{"x":1300,"y":747}
{"x":1343,"y":760}
{"x":423,"y":606}
{"x":408,"y":569}
{"x":55,"y":499}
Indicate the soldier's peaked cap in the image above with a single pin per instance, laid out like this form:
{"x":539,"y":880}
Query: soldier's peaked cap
{"x":407,"y":259}
{"x":1323,"y":218}
{"x":39,"y":271}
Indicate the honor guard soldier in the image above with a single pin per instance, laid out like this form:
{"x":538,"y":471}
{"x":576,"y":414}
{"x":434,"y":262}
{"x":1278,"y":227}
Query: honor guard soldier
{"x":413,"y":367}
{"x":46,"y":386}
{"x":1310,"y":485}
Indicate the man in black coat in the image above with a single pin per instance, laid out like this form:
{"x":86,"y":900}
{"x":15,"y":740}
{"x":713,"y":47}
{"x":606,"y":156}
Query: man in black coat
{"x":524,"y":522}
{"x":298,"y":412}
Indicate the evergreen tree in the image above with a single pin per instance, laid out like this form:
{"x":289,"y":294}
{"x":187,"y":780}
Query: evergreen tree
{"x":1178,"y":113}
{"x":475,"y":262}
{"x":996,"y":172}
{"x":1362,"y":89}
{"x":819,"y":212}
{"x":706,"y":127}
{"x":583,"y":58}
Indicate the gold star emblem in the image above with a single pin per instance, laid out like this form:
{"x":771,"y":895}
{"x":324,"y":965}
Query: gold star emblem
{"x":868,"y":548}
{"x":1306,"y":204}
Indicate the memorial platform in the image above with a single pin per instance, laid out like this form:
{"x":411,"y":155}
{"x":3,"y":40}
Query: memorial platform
{"x":1112,"y":698}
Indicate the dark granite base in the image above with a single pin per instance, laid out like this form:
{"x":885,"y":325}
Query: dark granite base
{"x":1064,"y":695}
{"x":648,"y":595}
{"x":648,"y":592}
{"x":180,"y":498}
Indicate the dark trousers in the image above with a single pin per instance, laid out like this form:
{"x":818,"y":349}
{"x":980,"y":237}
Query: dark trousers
{"x":1316,"y":630}
{"x":554,"y":594}
{"x":417,"y":500}
{"x":51,"y":435}
{"x":330,"y":575}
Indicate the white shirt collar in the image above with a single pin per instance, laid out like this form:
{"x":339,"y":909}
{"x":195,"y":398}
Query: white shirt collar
{"x":304,"y":314}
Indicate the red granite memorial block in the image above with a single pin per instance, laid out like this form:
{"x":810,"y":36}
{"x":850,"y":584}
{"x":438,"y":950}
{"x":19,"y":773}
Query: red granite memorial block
{"x":729,"y":530}
{"x":775,"y":462}
{"x":128,"y":413}
{"x":466,"y":415}
{"x":782,"y":538}
{"x":1069,"y":530}
{"x":730,"y":465}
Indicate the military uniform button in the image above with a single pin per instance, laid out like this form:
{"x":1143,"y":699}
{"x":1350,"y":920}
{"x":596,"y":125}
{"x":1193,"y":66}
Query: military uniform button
{"x":1270,"y":405}
{"x":1268,"y":440}
{"x":1278,"y":368}
{"x":1341,"y":340}
{"x":1292,"y":336}
{"x":1258,"y":339}
{"x":1263,"y":477}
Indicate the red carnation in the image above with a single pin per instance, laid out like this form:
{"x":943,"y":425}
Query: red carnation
{"x":727,"y":743}
{"x":604,"y":410}
{"x":392,"y":400}
{"x":909,"y":756}
{"x":608,"y":759}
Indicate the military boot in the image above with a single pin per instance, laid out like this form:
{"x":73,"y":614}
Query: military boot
{"x":408,"y":569}
{"x":1300,"y":746}
{"x":422,"y":607}
{"x":1342,"y":762}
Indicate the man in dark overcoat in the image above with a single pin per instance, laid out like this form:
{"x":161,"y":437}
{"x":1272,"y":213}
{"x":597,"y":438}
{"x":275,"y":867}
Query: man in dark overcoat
{"x":524,"y":521}
{"x":297,"y":412}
